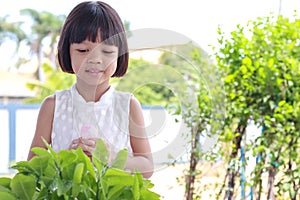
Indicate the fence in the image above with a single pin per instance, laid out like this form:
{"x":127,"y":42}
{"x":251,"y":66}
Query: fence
{"x":18,"y":123}
{"x":15,"y":138}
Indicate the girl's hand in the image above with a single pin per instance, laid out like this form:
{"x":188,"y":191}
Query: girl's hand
{"x":87,"y":145}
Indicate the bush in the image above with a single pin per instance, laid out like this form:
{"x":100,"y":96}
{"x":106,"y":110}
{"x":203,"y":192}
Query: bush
{"x":70,"y":174}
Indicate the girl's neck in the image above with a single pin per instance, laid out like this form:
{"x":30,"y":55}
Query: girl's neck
{"x":92,"y":93}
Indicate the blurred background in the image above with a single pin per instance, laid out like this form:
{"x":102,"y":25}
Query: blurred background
{"x":29,"y":72}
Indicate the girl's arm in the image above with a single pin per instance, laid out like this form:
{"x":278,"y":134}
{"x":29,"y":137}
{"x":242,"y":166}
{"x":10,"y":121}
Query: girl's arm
{"x":44,"y":125}
{"x":142,"y":156}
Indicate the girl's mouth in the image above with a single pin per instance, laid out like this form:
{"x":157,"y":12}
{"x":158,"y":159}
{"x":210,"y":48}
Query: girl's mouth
{"x":94,"y":71}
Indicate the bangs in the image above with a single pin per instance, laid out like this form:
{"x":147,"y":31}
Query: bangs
{"x":97,"y":22}
{"x":94,"y":22}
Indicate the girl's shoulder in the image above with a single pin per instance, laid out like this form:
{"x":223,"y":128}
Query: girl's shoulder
{"x":118,"y":92}
{"x":48,"y":105}
{"x":132,"y":100}
{"x":49,"y":101}
{"x":127,"y":100}
{"x":120,"y":95}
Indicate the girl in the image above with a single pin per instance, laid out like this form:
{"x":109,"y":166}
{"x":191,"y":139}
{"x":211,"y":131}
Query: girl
{"x":93,"y":46}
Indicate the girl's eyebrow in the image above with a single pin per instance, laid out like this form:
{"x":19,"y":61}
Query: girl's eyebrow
{"x":85,"y":42}
{"x":90,"y":42}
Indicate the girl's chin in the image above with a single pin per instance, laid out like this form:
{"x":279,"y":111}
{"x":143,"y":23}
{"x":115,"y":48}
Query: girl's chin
{"x":91,"y":82}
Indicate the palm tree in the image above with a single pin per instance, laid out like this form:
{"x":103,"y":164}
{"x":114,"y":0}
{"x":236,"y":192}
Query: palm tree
{"x":45,"y":25}
{"x":11,"y":31}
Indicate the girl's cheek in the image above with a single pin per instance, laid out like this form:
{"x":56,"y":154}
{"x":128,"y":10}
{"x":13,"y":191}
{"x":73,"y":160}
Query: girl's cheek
{"x":76,"y":67}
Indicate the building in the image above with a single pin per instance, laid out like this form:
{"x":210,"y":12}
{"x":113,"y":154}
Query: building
{"x":13,"y":88}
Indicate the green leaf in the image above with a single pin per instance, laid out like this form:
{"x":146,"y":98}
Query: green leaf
{"x":149,"y":195}
{"x":78,"y":172}
{"x":42,"y":195}
{"x":5,"y":189}
{"x":229,"y":78}
{"x":247,"y":61}
{"x":100,"y":155}
{"x":118,"y":177}
{"x":76,"y":189}
{"x":104,"y":188}
{"x":136,"y":187}
{"x":40,"y":151}
{"x":63,"y":187}
{"x":115,"y":191}
{"x":66,"y":158}
{"x":5,"y":182}
{"x":120,"y":160}
{"x":48,"y":180}
{"x":82,"y":157}
{"x":52,"y":152}
{"x":7,"y":196}
{"x":39,"y":164}
{"x":23,"y":186}
{"x":23,"y":166}
{"x":281,"y":103}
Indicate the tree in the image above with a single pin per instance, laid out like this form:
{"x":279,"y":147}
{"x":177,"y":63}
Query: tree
{"x":55,"y":80}
{"x":45,"y":25}
{"x":11,"y":31}
{"x":148,"y":82}
{"x":260,"y":65}
{"x":199,"y":99}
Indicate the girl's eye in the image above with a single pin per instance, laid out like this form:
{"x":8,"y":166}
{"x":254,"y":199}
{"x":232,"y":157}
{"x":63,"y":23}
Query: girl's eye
{"x":107,"y":52}
{"x":82,"y":50}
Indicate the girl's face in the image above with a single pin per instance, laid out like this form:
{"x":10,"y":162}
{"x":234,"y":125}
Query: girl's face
{"x":93,"y":63}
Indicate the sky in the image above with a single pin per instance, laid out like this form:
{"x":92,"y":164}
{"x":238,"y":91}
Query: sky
{"x":197,"y":20}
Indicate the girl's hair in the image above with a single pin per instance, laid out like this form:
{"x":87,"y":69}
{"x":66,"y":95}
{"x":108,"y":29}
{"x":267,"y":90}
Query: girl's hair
{"x":86,"y":21}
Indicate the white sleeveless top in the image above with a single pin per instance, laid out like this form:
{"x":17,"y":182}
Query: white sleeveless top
{"x":107,"y":119}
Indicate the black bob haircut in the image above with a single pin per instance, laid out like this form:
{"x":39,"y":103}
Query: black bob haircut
{"x":84,"y":22}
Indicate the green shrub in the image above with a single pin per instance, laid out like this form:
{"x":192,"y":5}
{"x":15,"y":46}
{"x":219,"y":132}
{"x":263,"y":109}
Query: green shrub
{"x":70,"y":174}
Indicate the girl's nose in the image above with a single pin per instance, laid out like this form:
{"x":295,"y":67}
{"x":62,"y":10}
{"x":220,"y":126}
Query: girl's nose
{"x":95,"y":56}
{"x":94,"y":60}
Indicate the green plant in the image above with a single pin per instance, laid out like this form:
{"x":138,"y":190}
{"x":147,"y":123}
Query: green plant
{"x":260,"y":65}
{"x":55,"y":80}
{"x":70,"y":174}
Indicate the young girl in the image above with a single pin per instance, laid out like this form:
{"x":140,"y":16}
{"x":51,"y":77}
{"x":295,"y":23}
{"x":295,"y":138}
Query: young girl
{"x":93,"y":46}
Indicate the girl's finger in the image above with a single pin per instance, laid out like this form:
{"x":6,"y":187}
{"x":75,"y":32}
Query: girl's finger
{"x":95,"y":139}
{"x":73,"y":145}
{"x":86,"y":147}
{"x":88,"y":142}
{"x":89,"y":154}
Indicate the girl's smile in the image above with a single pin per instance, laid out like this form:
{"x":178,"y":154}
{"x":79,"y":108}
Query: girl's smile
{"x":93,"y":62}
{"x":94,"y":72}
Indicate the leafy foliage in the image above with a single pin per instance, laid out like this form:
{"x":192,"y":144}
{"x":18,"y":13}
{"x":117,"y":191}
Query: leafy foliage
{"x":55,"y":80}
{"x":197,"y":90}
{"x":11,"y":30}
{"x":260,"y":66}
{"x":72,"y":175}
{"x":148,"y":82}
